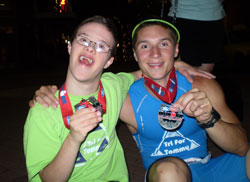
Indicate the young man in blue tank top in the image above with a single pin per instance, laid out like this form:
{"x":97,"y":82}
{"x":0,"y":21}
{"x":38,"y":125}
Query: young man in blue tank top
{"x":171,"y":118}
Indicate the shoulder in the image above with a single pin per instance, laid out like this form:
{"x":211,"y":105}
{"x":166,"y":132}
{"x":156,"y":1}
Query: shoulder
{"x":137,"y":88}
{"x":210,"y":86}
{"x":205,"y":83}
{"x":39,"y":115}
{"x":122,"y":77}
{"x":110,"y":75}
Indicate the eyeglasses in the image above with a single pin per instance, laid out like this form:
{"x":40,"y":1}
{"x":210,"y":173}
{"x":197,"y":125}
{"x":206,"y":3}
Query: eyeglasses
{"x":98,"y":46}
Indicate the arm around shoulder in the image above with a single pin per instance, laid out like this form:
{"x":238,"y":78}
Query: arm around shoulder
{"x":137,"y":74}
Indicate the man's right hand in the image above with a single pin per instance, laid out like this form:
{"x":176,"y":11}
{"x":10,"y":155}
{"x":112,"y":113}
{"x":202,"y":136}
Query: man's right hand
{"x":82,"y":122}
{"x":45,"y":96}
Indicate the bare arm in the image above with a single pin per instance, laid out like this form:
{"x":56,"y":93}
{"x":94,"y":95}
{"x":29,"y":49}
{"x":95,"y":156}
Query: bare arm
{"x":45,"y":95}
{"x":228,"y":132}
{"x":188,"y":70}
{"x":127,"y":115}
{"x":66,"y":158}
{"x":81,"y":122}
{"x":198,"y":102}
{"x":137,"y":74}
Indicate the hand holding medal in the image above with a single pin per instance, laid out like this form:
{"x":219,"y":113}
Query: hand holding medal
{"x":169,"y":117}
{"x":65,"y":104}
{"x":90,"y":102}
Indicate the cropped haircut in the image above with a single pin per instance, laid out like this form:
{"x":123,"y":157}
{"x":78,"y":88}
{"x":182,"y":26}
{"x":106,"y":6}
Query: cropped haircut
{"x":174,"y":33}
{"x":109,"y":24}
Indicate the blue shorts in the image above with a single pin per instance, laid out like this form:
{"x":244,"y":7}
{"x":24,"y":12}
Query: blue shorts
{"x":225,"y":168}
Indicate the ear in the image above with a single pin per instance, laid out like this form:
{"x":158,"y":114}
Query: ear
{"x":109,"y":62}
{"x":176,"y":50}
{"x":135,"y":56}
{"x":69,"y":47}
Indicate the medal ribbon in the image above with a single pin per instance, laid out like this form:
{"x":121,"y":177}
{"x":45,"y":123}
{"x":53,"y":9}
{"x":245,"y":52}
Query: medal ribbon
{"x":65,"y":104}
{"x":165,"y":94}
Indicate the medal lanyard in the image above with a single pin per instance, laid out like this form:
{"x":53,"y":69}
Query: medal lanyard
{"x":65,"y":104}
{"x":165,"y":94}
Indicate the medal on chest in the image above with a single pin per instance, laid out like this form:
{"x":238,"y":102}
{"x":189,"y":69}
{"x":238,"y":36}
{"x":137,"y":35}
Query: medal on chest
{"x":169,"y":117}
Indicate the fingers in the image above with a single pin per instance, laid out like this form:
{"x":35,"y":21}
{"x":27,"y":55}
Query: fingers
{"x":83,"y":121}
{"x":186,"y":98}
{"x":187,"y":75}
{"x":195,"y":104}
{"x":205,"y":74}
{"x":203,"y":113}
{"x":53,"y":88}
{"x":31,"y":103}
{"x":86,"y":115}
{"x":45,"y":96}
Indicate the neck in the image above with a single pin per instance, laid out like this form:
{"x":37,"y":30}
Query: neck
{"x":165,"y":91}
{"x":162,"y":81}
{"x":78,"y":88}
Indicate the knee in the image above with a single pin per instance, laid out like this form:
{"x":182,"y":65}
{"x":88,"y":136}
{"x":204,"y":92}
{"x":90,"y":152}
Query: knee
{"x":169,"y":169}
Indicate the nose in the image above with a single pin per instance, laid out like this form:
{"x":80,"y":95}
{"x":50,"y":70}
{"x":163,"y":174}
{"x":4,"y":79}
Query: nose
{"x":91,"y":47}
{"x":155,"y":51}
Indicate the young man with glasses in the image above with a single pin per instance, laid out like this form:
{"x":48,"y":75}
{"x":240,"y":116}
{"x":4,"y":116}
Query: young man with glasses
{"x":74,"y":144}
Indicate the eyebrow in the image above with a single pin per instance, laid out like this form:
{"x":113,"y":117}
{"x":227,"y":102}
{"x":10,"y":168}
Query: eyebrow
{"x":82,"y":34}
{"x":86,"y":35}
{"x":145,"y":41}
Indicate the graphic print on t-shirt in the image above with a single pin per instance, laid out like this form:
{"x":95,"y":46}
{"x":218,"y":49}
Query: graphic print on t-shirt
{"x":92,"y":148}
{"x":172,"y":143}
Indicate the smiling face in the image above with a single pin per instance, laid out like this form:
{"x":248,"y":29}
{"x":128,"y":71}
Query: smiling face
{"x":155,"y":51}
{"x":86,"y":64}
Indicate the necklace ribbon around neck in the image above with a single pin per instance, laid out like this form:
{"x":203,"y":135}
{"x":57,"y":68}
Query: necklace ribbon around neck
{"x":165,"y":94}
{"x":66,"y":107}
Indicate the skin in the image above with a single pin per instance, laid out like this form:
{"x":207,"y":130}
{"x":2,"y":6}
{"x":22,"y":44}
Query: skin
{"x":207,"y":67}
{"x":198,"y":102}
{"x":82,"y":79}
{"x":156,"y":63}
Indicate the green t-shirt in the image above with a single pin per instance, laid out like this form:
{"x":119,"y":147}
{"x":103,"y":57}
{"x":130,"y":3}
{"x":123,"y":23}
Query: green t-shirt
{"x":101,"y":156}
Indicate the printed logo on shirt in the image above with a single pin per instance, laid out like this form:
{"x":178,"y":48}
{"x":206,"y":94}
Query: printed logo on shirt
{"x":173,"y":142}
{"x":92,"y":148}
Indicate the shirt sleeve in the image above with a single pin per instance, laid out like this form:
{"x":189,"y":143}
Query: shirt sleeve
{"x":126,"y":80}
{"x":41,"y":139}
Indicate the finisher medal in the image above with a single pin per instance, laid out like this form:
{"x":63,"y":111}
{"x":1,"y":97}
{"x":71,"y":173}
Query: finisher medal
{"x":169,"y":117}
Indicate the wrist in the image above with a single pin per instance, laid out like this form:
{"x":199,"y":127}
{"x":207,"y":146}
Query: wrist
{"x":214,"y":119}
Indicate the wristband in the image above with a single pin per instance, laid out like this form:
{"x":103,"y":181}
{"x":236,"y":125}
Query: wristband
{"x":215,"y":118}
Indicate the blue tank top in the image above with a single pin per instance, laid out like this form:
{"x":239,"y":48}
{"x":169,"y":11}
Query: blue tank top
{"x":187,"y":142}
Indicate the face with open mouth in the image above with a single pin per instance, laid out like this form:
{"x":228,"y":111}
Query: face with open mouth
{"x":86,"y":63}
{"x":85,"y":60}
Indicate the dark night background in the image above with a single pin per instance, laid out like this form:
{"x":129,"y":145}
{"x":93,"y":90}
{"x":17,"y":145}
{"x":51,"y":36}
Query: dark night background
{"x":34,"y":31}
{"x":33,"y":35}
